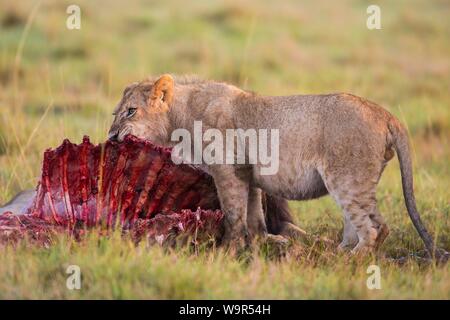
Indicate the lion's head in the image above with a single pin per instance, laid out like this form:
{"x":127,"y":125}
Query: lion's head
{"x":143,"y":109}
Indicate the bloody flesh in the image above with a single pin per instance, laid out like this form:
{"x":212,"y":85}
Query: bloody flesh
{"x":133,"y":184}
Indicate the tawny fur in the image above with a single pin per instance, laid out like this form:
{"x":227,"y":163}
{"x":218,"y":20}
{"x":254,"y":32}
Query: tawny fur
{"x":335,"y":144}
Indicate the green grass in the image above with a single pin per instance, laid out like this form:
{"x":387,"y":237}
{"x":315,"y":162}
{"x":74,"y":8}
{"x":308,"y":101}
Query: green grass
{"x":114,"y":268}
{"x":62,"y":83}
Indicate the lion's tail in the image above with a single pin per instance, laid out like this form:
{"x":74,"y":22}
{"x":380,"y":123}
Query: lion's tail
{"x":401,"y":145}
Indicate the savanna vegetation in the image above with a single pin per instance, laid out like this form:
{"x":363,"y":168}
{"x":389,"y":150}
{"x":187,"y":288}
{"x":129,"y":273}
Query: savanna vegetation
{"x":57,"y":83}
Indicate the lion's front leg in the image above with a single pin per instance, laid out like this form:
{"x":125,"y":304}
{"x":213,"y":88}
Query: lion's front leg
{"x":255,"y":214}
{"x":233,"y":196}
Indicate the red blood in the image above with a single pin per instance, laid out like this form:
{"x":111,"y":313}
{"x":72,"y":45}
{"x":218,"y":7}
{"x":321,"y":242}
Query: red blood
{"x":133,"y":184}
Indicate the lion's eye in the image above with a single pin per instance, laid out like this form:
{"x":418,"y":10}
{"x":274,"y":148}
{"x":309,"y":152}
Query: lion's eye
{"x":131,"y":112}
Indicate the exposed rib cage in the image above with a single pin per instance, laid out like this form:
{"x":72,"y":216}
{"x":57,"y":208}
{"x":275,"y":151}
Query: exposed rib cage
{"x":127,"y":184}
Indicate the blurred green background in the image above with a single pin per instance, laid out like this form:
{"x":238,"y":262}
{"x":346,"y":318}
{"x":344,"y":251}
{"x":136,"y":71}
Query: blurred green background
{"x":270,"y":47}
{"x":57,"y":83}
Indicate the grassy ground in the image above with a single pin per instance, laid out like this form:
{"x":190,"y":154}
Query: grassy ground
{"x":57,"y":83}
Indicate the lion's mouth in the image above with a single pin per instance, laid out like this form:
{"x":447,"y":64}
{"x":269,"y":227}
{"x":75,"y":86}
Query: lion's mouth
{"x":123,"y":133}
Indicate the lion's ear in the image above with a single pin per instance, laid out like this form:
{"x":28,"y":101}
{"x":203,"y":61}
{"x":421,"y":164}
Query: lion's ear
{"x":162,"y":90}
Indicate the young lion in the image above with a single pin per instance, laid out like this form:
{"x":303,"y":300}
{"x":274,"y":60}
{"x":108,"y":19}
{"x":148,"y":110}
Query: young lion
{"x":335,"y":144}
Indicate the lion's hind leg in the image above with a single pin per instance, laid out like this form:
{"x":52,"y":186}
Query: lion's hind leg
{"x":349,"y":237}
{"x":356,"y":195}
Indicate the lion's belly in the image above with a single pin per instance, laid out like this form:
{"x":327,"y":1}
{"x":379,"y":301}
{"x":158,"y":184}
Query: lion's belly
{"x":292,"y":182}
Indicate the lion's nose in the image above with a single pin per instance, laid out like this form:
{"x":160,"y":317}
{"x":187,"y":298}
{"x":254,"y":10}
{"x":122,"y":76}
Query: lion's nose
{"x":113,"y":135}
